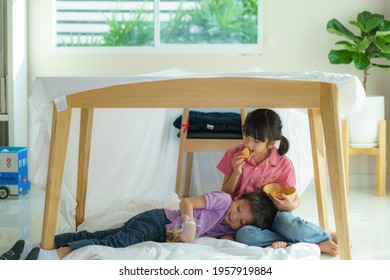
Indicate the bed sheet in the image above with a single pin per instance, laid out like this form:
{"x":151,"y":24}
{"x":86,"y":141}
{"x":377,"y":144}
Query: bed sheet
{"x":204,"y":248}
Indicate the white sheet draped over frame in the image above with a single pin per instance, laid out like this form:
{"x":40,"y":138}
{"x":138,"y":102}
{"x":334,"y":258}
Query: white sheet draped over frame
{"x":134,"y":151}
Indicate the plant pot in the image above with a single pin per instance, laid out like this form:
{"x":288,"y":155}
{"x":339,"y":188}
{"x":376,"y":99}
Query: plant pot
{"x":364,"y":124}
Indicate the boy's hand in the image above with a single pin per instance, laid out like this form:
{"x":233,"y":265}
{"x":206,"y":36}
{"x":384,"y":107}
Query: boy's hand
{"x":189,"y":232}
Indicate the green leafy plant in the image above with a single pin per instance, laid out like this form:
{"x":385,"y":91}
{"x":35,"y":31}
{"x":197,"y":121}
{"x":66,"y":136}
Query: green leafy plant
{"x":370,"y":48}
{"x":218,"y":21}
{"x":212,"y":22}
{"x":77,"y":40}
{"x":134,"y":31}
{"x":177,"y":29}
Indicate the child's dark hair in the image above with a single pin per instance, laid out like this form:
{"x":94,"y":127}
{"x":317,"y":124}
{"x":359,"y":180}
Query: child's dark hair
{"x":262,"y":208}
{"x":265,"y":124}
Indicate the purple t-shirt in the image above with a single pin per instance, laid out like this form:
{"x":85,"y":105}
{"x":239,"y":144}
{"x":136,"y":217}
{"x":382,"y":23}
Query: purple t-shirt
{"x":208,"y":219}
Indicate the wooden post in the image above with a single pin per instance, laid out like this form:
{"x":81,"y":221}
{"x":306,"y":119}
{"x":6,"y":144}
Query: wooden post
{"x":319,"y":165}
{"x":57,"y":155}
{"x":86,"y":120}
{"x":180,"y":160}
{"x":334,"y":154}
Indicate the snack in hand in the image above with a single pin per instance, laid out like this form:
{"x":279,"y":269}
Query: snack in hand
{"x":173,"y":235}
{"x":246,"y":152}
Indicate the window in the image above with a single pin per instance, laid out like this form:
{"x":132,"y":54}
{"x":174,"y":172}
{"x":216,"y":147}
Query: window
{"x":219,"y":25}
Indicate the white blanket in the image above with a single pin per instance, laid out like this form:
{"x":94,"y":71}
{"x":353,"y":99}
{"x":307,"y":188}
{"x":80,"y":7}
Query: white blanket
{"x":204,"y":248}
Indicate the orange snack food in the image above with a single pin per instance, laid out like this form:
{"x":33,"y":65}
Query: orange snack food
{"x":245,"y":152}
{"x":275,"y":189}
{"x":173,"y":235}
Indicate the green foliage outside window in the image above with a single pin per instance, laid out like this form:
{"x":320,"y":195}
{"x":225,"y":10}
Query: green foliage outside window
{"x":136,"y":31}
{"x":213,"y":22}
{"x":208,"y":22}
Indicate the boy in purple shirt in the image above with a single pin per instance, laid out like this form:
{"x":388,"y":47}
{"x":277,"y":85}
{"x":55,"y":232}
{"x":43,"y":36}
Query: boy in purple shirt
{"x":212,"y":214}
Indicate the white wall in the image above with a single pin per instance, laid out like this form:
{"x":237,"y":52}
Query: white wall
{"x":299,"y":43}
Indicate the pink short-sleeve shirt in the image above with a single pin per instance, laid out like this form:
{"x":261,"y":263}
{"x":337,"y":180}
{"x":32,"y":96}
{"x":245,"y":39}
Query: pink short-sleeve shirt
{"x":274,"y":169}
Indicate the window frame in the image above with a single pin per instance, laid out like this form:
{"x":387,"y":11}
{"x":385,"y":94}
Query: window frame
{"x":159,"y":48}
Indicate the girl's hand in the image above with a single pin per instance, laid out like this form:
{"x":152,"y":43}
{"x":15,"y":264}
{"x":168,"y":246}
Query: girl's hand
{"x":282,"y":202}
{"x":238,"y":162}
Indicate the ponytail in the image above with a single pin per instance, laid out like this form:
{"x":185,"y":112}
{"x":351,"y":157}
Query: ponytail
{"x":283,"y":146}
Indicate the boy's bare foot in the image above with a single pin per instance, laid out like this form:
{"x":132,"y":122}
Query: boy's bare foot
{"x":329,"y":247}
{"x":278,"y":244}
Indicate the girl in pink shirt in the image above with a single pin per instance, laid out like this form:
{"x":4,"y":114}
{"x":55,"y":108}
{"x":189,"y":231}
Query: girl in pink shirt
{"x":267,"y":164}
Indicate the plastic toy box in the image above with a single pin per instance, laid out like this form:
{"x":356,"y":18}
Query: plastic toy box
{"x":13,"y":171}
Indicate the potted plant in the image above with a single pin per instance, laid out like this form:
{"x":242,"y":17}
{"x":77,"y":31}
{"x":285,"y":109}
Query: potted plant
{"x":368,"y":48}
